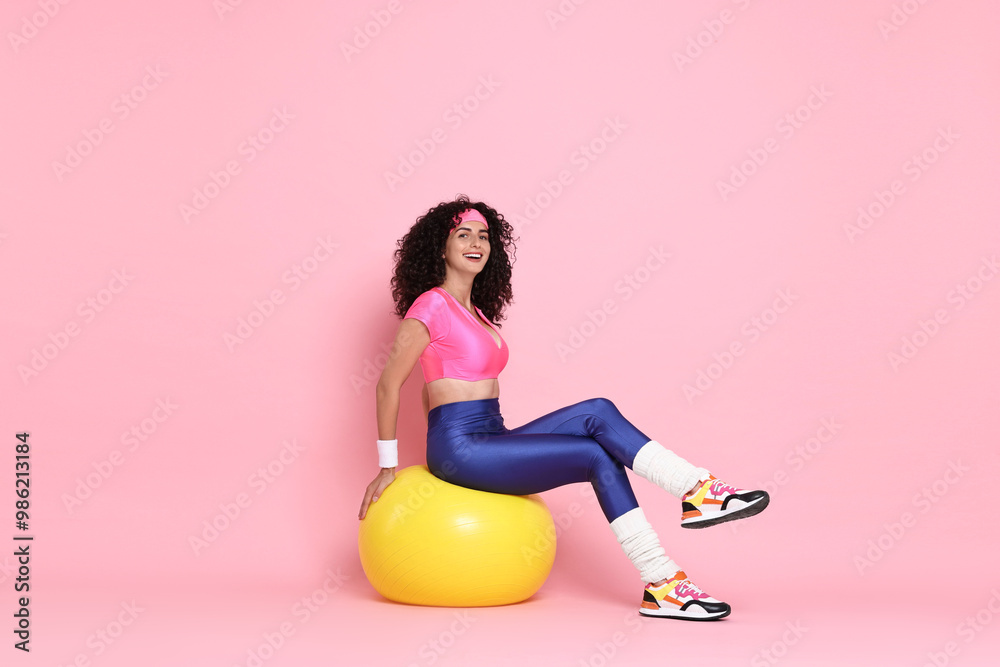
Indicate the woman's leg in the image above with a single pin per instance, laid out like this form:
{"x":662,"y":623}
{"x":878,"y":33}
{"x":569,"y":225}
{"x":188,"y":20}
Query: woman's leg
{"x":469,"y":445}
{"x":599,"y":418}
{"x":705,"y":500}
{"x":526,"y":463}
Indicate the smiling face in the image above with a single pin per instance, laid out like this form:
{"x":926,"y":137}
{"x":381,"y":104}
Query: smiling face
{"x":468,"y":248}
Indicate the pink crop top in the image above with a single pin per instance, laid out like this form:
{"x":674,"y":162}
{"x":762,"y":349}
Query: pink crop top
{"x":460,"y":346}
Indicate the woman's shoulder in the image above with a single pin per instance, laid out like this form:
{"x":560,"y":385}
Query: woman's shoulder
{"x":431,"y":308}
{"x":432,"y":299}
{"x":432,"y":295}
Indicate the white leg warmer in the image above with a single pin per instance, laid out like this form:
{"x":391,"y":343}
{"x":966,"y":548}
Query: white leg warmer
{"x":667,"y":470}
{"x":642,"y":546}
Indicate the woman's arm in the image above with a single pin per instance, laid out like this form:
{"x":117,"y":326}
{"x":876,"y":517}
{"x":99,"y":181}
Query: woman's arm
{"x":411,"y":339}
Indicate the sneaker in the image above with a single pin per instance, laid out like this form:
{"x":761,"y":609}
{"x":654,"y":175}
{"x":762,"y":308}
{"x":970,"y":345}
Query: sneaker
{"x":680,"y":598}
{"x":716,"y":502}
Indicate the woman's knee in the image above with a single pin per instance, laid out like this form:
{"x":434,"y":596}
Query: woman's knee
{"x":604,"y":468}
{"x":599,"y":405}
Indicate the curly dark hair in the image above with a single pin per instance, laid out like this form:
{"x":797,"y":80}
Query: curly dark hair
{"x":420,"y":266}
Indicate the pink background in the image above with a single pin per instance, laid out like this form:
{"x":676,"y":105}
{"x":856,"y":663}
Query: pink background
{"x":534,"y":87}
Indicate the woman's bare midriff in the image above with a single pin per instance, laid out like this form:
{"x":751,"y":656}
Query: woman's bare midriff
{"x":450,"y":390}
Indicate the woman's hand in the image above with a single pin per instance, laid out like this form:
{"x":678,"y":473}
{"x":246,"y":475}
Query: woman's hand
{"x":375,"y":489}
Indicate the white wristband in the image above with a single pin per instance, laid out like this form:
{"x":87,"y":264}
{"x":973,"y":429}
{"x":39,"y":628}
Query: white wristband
{"x":387,"y":453}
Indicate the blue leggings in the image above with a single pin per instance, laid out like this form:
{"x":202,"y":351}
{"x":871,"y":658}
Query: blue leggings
{"x":589,"y":441}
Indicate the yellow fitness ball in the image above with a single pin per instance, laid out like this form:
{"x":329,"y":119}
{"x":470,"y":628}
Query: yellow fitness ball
{"x":425,"y":541}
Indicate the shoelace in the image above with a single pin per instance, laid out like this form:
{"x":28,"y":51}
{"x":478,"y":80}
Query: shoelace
{"x":720,"y":488}
{"x":688,"y":588}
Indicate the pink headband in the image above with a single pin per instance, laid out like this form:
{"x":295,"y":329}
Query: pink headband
{"x":470,"y":214}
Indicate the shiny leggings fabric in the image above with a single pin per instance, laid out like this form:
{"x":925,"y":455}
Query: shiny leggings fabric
{"x":589,"y":441}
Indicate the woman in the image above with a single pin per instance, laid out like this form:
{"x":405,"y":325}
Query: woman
{"x":451,"y":282}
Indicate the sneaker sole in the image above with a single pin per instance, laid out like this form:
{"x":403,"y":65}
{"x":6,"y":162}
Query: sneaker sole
{"x":756,"y":507}
{"x":681,"y":616}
